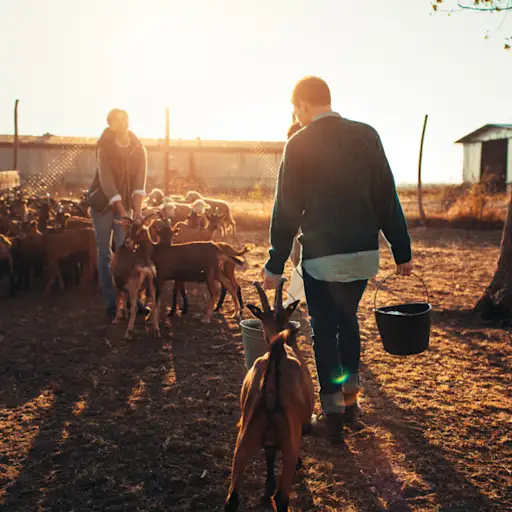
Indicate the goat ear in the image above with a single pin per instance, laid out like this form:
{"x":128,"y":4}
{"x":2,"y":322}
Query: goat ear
{"x":255,"y":310}
{"x":292,"y":307}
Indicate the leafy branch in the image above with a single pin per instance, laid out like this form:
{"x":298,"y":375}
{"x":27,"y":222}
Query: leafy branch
{"x":490,"y":6}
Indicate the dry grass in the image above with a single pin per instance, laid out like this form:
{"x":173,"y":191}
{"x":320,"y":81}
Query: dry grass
{"x":91,"y":422}
{"x":457,"y":207}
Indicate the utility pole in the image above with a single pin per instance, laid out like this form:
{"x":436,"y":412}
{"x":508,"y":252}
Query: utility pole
{"x":420,"y":191}
{"x":16,"y":141}
{"x":166,"y":151}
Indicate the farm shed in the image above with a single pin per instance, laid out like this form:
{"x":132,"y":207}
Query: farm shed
{"x":487,"y":156}
{"x":221,"y":164}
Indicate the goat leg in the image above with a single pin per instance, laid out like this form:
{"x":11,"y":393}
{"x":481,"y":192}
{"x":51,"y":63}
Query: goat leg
{"x":12,"y":287}
{"x":174,"y":300}
{"x":222,"y":297}
{"x":248,"y":441}
{"x":183,"y":293}
{"x":291,"y":450}
{"x":239,"y":295}
{"x":132,"y":290}
{"x":119,"y":310}
{"x":210,"y":282}
{"x":51,"y":277}
{"x":58,"y":273}
{"x":154,"y":311}
{"x":229,"y":287}
{"x":270,"y":483}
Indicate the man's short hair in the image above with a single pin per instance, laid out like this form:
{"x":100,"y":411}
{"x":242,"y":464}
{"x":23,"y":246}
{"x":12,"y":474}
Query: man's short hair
{"x":312,"y":90}
{"x":114,"y":112}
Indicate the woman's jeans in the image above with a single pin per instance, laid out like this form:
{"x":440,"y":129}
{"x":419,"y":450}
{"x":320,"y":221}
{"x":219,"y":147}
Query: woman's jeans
{"x":336,"y":340}
{"x":104,"y":226}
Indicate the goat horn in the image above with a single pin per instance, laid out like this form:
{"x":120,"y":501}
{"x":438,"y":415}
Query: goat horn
{"x":151,"y":216}
{"x":278,"y":301}
{"x":263,"y":296}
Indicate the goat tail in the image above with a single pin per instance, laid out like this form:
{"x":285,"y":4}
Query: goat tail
{"x":247,"y":248}
{"x":270,"y":387}
{"x":229,"y":254}
{"x":237,"y":260}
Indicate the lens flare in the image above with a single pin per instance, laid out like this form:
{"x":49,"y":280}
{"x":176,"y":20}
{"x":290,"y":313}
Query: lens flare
{"x":341,"y":379}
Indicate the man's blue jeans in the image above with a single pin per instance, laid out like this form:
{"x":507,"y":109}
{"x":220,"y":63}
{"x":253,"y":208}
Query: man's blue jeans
{"x":104,"y":226}
{"x":336,"y":340}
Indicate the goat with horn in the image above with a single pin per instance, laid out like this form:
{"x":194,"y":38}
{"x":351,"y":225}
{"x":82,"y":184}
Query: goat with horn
{"x":276,"y":401}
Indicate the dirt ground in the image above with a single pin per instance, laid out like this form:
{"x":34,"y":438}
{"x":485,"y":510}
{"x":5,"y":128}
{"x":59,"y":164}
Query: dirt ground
{"x":89,"y":421}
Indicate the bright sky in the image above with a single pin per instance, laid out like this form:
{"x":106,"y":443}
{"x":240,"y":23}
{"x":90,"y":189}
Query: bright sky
{"x":227,"y":68}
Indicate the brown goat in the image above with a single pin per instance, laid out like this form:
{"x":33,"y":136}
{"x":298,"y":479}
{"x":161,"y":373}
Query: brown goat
{"x":276,"y":402}
{"x":58,"y":246}
{"x":184,"y":262}
{"x":132,"y":269}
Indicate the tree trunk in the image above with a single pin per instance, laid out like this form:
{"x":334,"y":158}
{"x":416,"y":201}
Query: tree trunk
{"x":496,"y":301}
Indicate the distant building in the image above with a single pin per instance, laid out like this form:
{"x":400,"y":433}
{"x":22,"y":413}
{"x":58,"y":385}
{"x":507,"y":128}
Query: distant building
{"x":71,"y":161}
{"x":488,"y":156}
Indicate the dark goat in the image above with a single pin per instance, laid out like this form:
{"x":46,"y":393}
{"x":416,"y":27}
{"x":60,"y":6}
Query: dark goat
{"x":229,"y":271}
{"x":183,"y":262}
{"x":6,"y":262}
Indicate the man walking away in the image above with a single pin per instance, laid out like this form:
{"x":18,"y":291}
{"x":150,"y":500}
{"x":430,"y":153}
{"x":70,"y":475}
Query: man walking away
{"x":335,"y":184}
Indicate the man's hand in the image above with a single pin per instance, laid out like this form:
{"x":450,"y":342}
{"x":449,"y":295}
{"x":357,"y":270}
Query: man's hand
{"x":269,"y":282}
{"x":404,"y":269}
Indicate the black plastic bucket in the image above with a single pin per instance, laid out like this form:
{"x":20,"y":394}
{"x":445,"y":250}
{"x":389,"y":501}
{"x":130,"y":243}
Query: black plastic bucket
{"x":404,"y":328}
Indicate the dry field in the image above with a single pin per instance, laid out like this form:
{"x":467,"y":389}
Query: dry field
{"x":89,"y":421}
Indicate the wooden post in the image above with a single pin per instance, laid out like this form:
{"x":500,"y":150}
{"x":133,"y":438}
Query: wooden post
{"x":166,"y":152}
{"x":16,"y":141}
{"x":420,"y":191}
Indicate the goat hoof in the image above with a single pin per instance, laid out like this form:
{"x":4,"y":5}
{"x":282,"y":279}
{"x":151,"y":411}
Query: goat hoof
{"x":157,"y":334}
{"x":206,"y":320}
{"x":232,"y":502}
{"x":128,"y":336}
{"x":117,"y":320}
{"x":266,"y":502}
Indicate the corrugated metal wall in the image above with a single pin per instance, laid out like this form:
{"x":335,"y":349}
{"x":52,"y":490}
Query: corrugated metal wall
{"x":471,"y":162}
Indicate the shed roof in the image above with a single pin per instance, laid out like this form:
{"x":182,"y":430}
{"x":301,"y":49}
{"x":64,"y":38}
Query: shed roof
{"x":486,"y":127}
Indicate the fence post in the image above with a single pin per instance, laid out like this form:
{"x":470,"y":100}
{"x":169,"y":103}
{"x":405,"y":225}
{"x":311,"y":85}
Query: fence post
{"x":16,"y":141}
{"x":166,"y":152}
{"x":420,"y":190}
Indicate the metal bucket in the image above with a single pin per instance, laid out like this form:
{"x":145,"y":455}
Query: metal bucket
{"x":253,"y":340}
{"x":404,"y":328}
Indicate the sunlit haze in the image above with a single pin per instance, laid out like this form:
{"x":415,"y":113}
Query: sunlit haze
{"x":226,"y":69}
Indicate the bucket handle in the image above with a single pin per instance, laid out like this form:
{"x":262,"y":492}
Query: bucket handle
{"x":393,"y":274}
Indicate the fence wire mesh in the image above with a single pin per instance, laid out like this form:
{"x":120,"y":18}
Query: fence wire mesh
{"x":55,"y":166}
{"x":54,"y":173}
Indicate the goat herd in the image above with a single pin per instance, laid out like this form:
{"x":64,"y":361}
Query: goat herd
{"x":53,"y":240}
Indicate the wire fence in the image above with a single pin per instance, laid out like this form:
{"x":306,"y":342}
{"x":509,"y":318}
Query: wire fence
{"x":54,"y":173}
{"x":57,"y":165}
